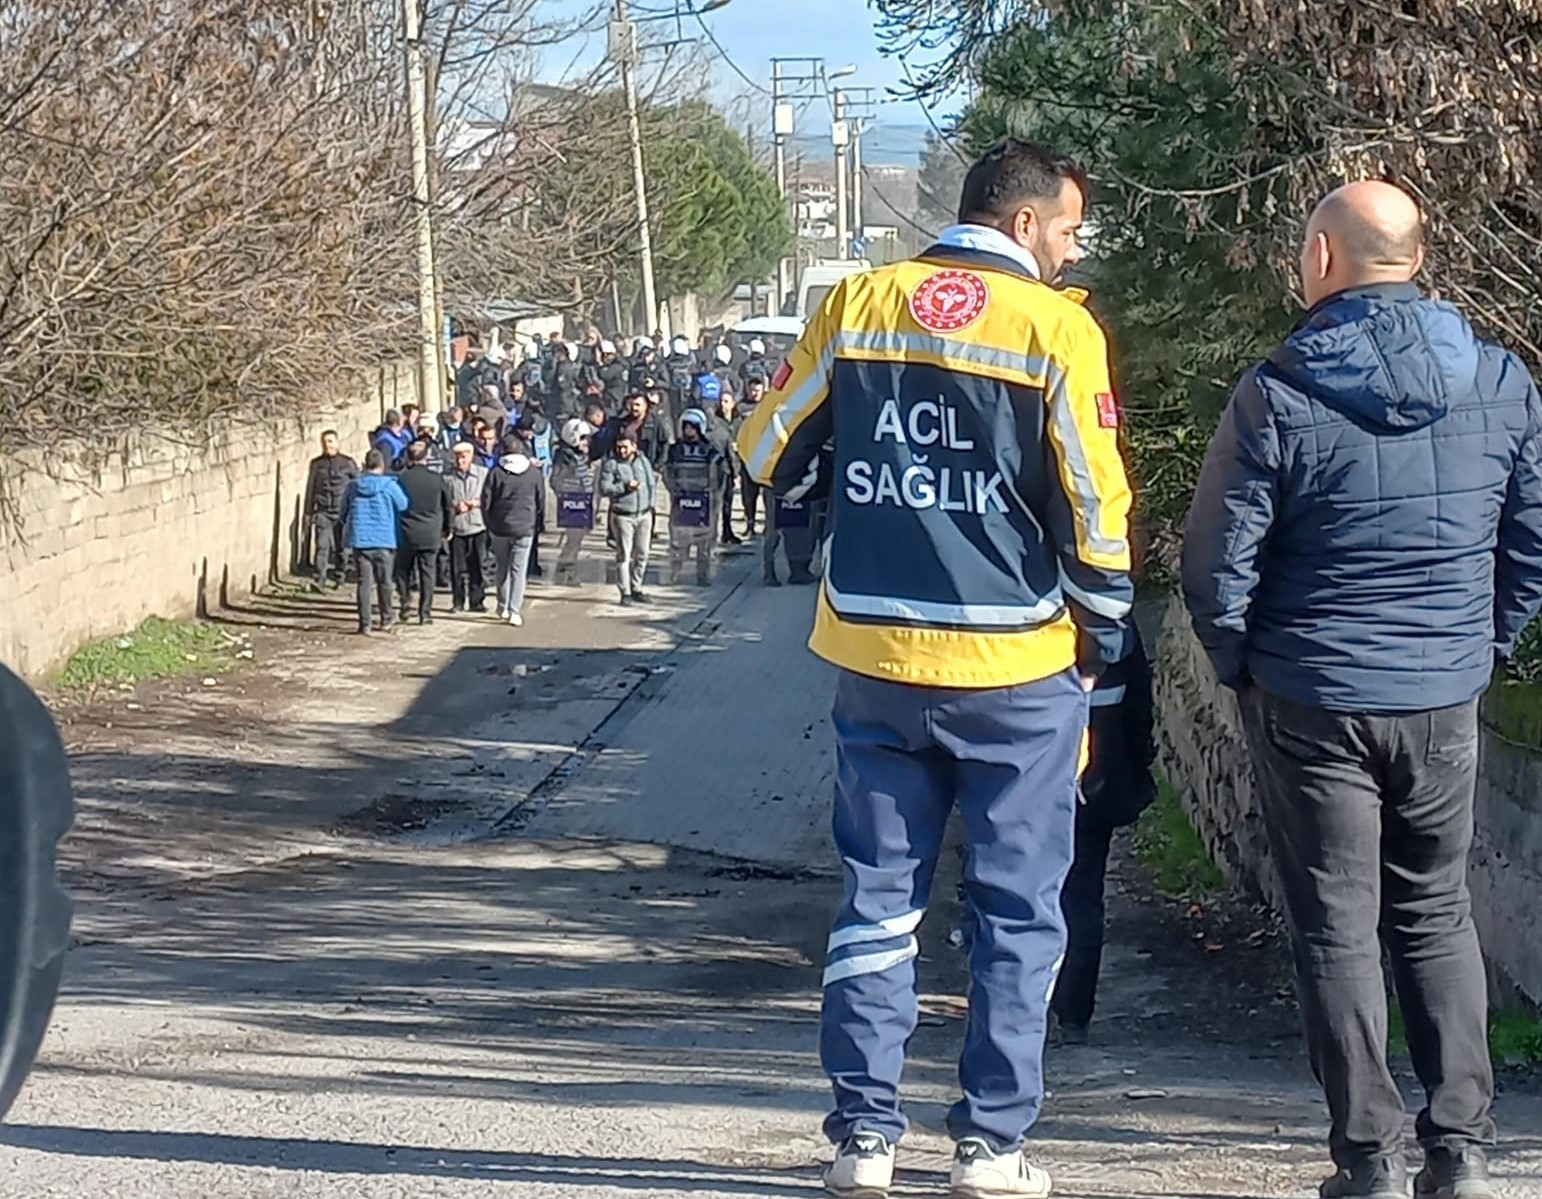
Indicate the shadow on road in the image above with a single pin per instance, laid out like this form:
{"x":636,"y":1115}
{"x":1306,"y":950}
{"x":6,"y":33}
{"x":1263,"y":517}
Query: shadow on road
{"x":344,"y":1157}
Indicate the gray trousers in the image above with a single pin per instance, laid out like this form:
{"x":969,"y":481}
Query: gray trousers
{"x":328,"y":532}
{"x":633,"y":536}
{"x":685,"y":543}
{"x":1370,"y":820}
{"x":511,"y":567}
{"x":572,"y":542}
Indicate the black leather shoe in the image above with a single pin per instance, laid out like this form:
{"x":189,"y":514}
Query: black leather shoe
{"x":1374,"y":1178}
{"x":1454,"y":1174}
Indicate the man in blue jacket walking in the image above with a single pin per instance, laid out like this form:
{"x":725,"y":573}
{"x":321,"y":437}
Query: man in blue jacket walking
{"x":1365,"y":541}
{"x":374,"y":502}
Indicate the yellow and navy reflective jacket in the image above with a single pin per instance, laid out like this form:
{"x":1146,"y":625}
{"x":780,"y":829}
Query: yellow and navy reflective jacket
{"x":979,"y":508}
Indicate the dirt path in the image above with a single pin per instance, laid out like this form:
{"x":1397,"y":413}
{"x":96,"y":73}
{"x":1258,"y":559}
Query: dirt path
{"x":300,"y":974}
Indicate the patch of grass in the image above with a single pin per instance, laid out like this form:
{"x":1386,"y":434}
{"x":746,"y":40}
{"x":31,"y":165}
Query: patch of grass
{"x":1172,"y":853}
{"x":1397,"y":1031}
{"x":157,"y":649}
{"x":1513,"y":706}
{"x":1514,"y":1038}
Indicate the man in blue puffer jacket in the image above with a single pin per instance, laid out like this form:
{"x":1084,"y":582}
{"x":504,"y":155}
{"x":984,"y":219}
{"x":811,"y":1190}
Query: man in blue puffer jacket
{"x":374,"y":503}
{"x":1365,"y":540}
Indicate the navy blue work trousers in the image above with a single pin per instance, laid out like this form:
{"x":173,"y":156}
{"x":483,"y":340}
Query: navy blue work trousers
{"x":905,"y":756}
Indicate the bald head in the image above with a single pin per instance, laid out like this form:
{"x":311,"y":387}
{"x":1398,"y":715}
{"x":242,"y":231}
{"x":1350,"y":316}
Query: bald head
{"x":1363,"y":233}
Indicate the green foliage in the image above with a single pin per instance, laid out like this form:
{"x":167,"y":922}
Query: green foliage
{"x":1514,"y":1037}
{"x":1513,"y":704}
{"x":1172,"y":853}
{"x":1188,"y":302}
{"x":719,"y":219}
{"x":158,"y":649}
{"x":1397,"y":1031}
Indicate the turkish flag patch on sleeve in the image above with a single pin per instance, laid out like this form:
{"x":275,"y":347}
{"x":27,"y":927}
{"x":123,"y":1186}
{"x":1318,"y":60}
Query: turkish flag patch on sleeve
{"x":783,"y":373}
{"x":1108,"y":410}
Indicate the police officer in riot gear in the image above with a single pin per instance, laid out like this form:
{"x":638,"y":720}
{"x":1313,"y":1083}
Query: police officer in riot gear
{"x":693,"y":472}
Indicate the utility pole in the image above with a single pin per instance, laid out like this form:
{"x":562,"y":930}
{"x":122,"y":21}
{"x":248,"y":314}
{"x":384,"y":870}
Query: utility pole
{"x":623,"y":48}
{"x":782,"y":120}
{"x":858,"y":104}
{"x":840,"y":138}
{"x":430,"y":373}
{"x":856,"y":178}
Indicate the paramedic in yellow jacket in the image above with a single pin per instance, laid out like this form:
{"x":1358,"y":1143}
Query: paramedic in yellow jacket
{"x":977,"y":574}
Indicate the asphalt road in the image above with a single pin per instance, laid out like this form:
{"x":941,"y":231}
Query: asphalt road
{"x":439,"y":926}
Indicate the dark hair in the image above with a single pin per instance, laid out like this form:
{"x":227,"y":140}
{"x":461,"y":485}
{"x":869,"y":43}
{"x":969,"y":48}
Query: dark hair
{"x":325,"y":433}
{"x":1010,"y":174}
{"x":406,"y":408}
{"x":594,"y":406}
{"x":417,"y":452}
{"x":374,"y":460}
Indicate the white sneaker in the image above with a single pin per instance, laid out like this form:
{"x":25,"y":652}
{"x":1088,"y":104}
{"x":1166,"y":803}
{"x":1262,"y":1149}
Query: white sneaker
{"x":863,"y":1168}
{"x":503,"y":613}
{"x":516,"y":619}
{"x":979,"y":1172}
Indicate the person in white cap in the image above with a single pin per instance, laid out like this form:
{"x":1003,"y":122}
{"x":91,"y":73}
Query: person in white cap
{"x":612,"y":373}
{"x":566,"y":389}
{"x":723,"y":358}
{"x":680,"y":370}
{"x":757,"y":366}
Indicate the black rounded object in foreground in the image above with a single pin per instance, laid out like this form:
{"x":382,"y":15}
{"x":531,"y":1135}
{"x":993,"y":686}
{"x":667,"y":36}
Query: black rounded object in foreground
{"x":36,"y":809}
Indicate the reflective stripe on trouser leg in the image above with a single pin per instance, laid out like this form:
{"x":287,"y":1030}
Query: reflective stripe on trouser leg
{"x":1016,"y":753}
{"x":892,"y":797}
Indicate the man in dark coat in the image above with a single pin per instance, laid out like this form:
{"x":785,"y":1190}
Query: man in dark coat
{"x":330,"y":474}
{"x":511,"y":500}
{"x":566,"y":383}
{"x":425,"y":529}
{"x":1116,"y":788}
{"x":1365,"y":541}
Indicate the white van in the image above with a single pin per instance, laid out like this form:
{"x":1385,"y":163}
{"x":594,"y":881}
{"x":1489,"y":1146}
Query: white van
{"x":818,"y":279}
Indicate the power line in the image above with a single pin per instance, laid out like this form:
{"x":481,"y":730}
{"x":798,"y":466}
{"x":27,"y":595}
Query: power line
{"x":927,"y":112}
{"x":712,"y":37}
{"x":867,"y":174}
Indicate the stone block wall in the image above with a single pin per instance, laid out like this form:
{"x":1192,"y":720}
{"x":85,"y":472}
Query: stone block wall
{"x":160,"y":527}
{"x":1202,"y":754}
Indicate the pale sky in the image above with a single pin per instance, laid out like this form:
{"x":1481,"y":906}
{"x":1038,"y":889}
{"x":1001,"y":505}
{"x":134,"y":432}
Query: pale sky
{"x":752,"y":32}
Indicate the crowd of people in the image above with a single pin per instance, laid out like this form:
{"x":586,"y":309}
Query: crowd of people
{"x":556,"y":437}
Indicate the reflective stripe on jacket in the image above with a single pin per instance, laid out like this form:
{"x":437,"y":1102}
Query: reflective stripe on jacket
{"x":979,"y":505}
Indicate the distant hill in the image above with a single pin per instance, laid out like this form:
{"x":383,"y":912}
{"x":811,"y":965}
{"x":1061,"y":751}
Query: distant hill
{"x":885,"y":144}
